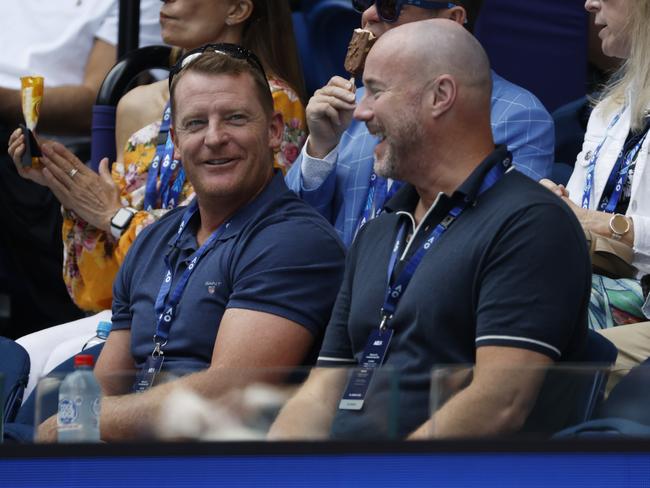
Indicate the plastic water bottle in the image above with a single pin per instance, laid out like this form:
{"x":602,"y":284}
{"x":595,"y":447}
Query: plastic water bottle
{"x":79,"y":403}
{"x":103,"y":329}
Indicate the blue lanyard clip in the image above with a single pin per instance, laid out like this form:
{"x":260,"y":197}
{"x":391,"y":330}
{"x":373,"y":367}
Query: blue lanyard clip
{"x":158,"y":345}
{"x":447,"y":221}
{"x":383,"y":325}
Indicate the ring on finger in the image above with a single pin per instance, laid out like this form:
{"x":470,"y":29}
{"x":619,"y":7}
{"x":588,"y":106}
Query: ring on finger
{"x":73,"y":172}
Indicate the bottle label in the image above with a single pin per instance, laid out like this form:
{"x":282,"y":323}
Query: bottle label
{"x":68,"y":412}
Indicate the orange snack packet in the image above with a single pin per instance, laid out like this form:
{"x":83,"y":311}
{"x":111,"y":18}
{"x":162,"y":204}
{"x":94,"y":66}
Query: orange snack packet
{"x":31,"y":90}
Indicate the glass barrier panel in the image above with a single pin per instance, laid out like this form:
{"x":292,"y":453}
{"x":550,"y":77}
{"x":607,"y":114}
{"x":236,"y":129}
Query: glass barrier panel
{"x":304,"y":404}
{"x":628,"y":397}
{"x":245,"y":404}
{"x":528,"y":401}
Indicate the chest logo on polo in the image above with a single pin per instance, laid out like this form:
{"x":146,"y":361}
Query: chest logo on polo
{"x":212,"y":286}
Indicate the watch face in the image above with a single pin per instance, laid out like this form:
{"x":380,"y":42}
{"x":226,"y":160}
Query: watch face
{"x":122,"y":218}
{"x":619,"y":224}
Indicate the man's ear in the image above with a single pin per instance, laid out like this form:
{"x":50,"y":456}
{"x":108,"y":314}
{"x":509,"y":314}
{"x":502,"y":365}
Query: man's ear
{"x":458,"y":14}
{"x":276,"y":131}
{"x":443,"y":93}
{"x":239,"y":12}
{"x":173,"y":135}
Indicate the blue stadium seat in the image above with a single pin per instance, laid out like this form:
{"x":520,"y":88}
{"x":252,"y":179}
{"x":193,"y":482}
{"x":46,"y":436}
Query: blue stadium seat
{"x":570,"y":126}
{"x":115,"y":85}
{"x":21,"y":428}
{"x":14,"y":366}
{"x":323,"y":29}
{"x":538,"y":44}
{"x":630,"y":398}
{"x":561,"y":172}
{"x":608,"y":427}
{"x":598,"y":350}
{"x":625,"y":413}
{"x":570,"y":397}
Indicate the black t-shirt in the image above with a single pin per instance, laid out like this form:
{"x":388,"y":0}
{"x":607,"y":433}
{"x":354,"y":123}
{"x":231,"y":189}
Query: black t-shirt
{"x":513,"y":270}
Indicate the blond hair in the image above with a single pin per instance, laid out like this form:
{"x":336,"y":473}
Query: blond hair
{"x":633,"y":77}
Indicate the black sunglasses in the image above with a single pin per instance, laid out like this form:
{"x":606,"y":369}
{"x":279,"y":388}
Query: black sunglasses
{"x":233,"y":50}
{"x":389,"y":10}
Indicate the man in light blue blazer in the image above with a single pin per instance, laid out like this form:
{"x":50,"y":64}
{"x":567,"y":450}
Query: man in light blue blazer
{"x":334,"y":172}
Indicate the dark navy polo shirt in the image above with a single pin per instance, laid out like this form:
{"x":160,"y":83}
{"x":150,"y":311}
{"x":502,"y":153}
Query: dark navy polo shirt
{"x":512,"y":270}
{"x":277,"y":255}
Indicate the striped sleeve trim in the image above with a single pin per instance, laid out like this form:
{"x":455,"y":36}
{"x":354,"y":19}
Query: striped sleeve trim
{"x":332,"y":361}
{"x":519,"y":339}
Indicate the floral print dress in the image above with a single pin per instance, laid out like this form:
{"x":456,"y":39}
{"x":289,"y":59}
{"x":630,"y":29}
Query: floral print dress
{"x":92,"y":256}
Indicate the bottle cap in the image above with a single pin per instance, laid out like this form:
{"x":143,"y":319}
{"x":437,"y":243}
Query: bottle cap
{"x":84,"y":360}
{"x":104,"y":328}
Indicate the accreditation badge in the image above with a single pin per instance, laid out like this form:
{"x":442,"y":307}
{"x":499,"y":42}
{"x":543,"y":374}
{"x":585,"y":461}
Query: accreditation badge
{"x":373,"y":356}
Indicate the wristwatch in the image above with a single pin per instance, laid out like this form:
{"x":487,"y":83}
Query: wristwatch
{"x":121,"y":220}
{"x":619,"y":225}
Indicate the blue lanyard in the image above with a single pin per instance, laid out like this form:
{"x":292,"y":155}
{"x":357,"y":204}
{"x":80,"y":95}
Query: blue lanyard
{"x":395,"y":289}
{"x":378,"y":195}
{"x":619,"y":175}
{"x":166,"y":303}
{"x":163,"y":167}
{"x":589,"y":182}
{"x":171,"y":193}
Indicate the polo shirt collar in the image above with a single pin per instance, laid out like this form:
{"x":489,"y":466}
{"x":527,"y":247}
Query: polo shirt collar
{"x":406,"y":198}
{"x":471,"y":186}
{"x":238,"y":221}
{"x":266,"y":197}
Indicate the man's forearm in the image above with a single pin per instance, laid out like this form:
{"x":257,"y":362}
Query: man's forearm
{"x":309,"y":414}
{"x":472,"y":414}
{"x":131,"y":416}
{"x":302,"y":418}
{"x":497,"y":402}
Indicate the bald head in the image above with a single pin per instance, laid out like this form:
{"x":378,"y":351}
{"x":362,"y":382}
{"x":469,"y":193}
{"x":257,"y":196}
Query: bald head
{"x":430,"y":48}
{"x":428,"y":85}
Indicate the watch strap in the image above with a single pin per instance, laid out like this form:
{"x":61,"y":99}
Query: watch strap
{"x":116,"y":229}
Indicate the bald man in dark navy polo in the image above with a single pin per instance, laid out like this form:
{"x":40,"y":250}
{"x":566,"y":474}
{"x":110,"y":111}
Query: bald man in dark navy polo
{"x":471,"y":262}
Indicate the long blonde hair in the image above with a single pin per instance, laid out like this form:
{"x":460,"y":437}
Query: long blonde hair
{"x":633,"y":76}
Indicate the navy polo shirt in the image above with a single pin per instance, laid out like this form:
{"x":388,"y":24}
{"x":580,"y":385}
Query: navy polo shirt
{"x":512,"y":270}
{"x":277,"y":255}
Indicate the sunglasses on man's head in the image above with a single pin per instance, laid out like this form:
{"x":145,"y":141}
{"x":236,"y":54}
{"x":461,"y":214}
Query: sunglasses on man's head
{"x":232,"y":50}
{"x":389,"y":10}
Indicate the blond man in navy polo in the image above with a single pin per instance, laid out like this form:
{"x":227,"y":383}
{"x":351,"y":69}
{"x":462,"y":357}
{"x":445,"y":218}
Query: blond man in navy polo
{"x":242,"y":279}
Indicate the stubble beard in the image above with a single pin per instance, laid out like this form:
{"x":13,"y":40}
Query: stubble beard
{"x":387,"y":166}
{"x":399,"y":150}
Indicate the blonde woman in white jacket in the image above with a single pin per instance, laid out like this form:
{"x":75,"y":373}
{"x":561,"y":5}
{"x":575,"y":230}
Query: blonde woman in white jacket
{"x":608,"y":189}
